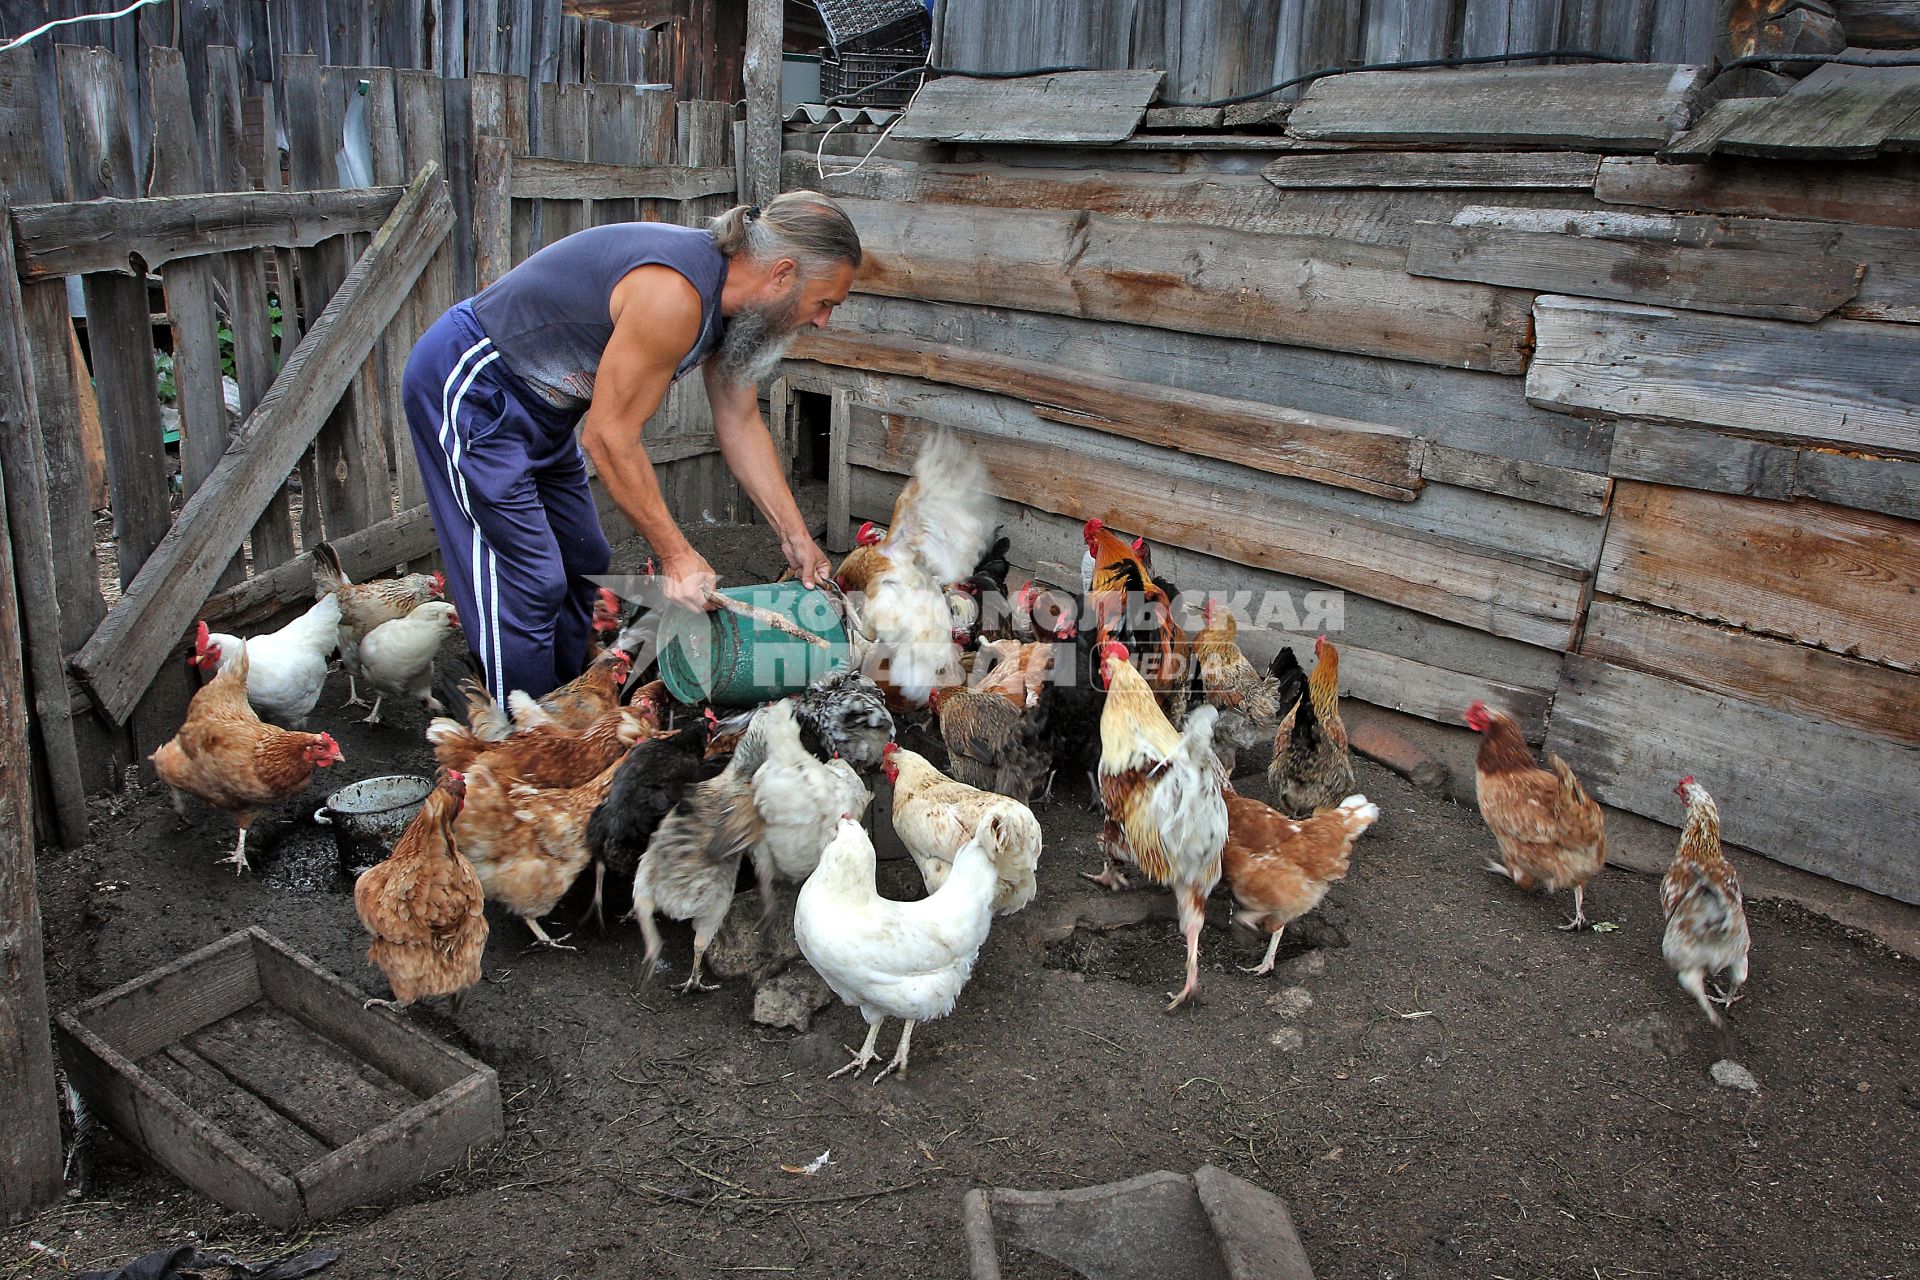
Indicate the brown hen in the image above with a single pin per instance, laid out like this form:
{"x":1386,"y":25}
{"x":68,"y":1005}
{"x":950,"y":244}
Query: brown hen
{"x":1279,"y":868}
{"x":1551,"y":834}
{"x":425,"y":908}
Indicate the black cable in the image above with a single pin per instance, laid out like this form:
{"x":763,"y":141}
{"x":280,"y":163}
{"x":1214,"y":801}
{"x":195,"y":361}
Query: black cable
{"x":1414,"y":65}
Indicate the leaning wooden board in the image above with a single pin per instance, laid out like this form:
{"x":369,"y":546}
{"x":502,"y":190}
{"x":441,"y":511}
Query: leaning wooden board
{"x":1826,"y":799}
{"x":1846,"y":581}
{"x":1883,"y":194}
{"x":1603,"y":107}
{"x":258,"y":1078}
{"x":1297,"y":290}
{"x":1064,"y":107}
{"x":1845,"y":381}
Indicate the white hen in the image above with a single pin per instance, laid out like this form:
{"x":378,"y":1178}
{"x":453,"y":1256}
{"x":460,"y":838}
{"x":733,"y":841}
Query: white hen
{"x":799,"y":799}
{"x":895,"y":959}
{"x":941,"y":525}
{"x":286,"y":669}
{"x":935,"y":816}
{"x":397,"y":657}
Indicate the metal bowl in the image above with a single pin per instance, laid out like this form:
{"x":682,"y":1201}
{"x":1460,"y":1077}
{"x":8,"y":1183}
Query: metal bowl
{"x":372,"y":812}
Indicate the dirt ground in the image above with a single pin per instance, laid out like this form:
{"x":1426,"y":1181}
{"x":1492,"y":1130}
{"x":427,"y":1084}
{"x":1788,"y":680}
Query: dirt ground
{"x":1437,"y":1081}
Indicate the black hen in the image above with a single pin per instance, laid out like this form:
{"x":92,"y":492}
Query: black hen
{"x":1070,"y":706}
{"x":1293,"y":681}
{"x":648,"y":783}
{"x":844,"y":715}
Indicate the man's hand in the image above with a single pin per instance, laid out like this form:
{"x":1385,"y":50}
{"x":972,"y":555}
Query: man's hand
{"x":687,"y":579}
{"x":808,"y":562}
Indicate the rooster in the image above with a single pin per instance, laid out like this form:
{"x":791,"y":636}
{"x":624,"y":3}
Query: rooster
{"x":940,"y":527}
{"x":1279,"y":868}
{"x":1706,"y":919}
{"x":1123,"y":587}
{"x":1162,"y":791}
{"x":864,"y":562}
{"x":225,"y":756}
{"x":286,"y":669}
{"x":528,"y":844}
{"x":934,"y":816}
{"x":365,"y":605}
{"x":397,"y":657}
{"x":890,"y":959}
{"x":425,"y":908}
{"x":1551,"y":834}
{"x":1229,"y":682}
{"x":1312,"y":765}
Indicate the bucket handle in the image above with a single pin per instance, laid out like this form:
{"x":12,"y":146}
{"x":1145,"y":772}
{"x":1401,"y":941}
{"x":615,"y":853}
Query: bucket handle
{"x":323,"y":816}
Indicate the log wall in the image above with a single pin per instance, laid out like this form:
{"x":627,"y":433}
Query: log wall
{"x":1627,"y":446}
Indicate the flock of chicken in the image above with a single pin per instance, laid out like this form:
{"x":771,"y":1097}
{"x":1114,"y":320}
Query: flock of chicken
{"x":1104,"y":685}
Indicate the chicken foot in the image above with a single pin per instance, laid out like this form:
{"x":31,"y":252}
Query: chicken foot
{"x":373,"y":716}
{"x":1196,"y":917}
{"x":398,"y":1006}
{"x":593,"y":908}
{"x":238,"y":857}
{"x":353,"y":694}
{"x":862,"y":1057}
{"x":1694,"y":981}
{"x":1273,"y":949}
{"x":899,"y":1063}
{"x":541,"y":938}
{"x":1579,"y":922}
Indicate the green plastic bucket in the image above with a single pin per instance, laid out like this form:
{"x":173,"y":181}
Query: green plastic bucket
{"x":734,"y":661}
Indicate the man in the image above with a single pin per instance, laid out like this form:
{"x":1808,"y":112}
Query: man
{"x":590,"y":332}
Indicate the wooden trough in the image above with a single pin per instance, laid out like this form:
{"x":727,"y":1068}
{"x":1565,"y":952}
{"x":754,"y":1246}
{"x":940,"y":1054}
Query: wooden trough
{"x":257,"y":1078}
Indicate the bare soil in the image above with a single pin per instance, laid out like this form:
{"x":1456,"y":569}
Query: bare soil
{"x":1436,"y":1080}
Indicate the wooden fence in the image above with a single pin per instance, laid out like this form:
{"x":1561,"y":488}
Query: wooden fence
{"x":1625,"y":446}
{"x":171,"y":453}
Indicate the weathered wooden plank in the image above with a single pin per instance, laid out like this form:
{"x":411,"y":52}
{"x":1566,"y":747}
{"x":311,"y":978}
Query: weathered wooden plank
{"x":100,"y":163}
{"x":137,"y":635}
{"x":1847,"y":581}
{"x":1838,"y":380}
{"x":1238,"y":201}
{"x":370,"y":552}
{"x":1499,"y":170}
{"x":1295,"y":290}
{"x":1665,"y":454}
{"x":563,"y":137}
{"x":327,"y":1094}
{"x":1708,"y":132}
{"x":1338,"y":451}
{"x":493,"y":164}
{"x":1847,"y":808}
{"x":241,"y":1115}
{"x":397,"y":339}
{"x":1563,"y":487}
{"x":1794,"y":678}
{"x":86,"y":236}
{"x":1838,"y":111}
{"x":1880,"y":24}
{"x":839,"y":471}
{"x":1483,"y":412}
{"x":1433,"y":576}
{"x":766,"y":26}
{"x":1885,"y":194}
{"x":1065,"y":107}
{"x":1182,"y":118}
{"x":1610,"y":256}
{"x":544,"y":178}
{"x":1887,"y":485}
{"x":1623,"y":107}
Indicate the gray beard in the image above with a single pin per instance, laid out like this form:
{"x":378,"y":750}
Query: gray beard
{"x":754,"y":342}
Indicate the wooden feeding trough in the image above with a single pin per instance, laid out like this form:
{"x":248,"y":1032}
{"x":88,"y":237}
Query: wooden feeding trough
{"x":257,"y":1078}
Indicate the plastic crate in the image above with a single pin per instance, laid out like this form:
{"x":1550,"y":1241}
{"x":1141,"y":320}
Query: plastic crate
{"x":866,"y":23}
{"x":855,"y":79}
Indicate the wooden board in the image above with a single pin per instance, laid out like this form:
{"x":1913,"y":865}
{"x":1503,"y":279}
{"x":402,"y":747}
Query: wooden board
{"x":1787,"y":677}
{"x":137,"y":636}
{"x":1847,"y":581}
{"x":1066,"y":107}
{"x":1880,"y":24}
{"x":1709,"y":460}
{"x":1888,"y":485}
{"x":1497,"y":170}
{"x":1838,"y":111}
{"x":1624,"y":107}
{"x":1482,"y":412}
{"x":232,"y":1109}
{"x":1882,"y":194}
{"x":1632,"y":259}
{"x":1562,"y":487}
{"x":330,"y":1094}
{"x":1236,"y":200}
{"x":1826,"y":799}
{"x":1337,"y":451}
{"x":370,"y":552}
{"x":1844,"y":381}
{"x":1432,"y":576}
{"x":1295,"y":290}
{"x":540,"y":177}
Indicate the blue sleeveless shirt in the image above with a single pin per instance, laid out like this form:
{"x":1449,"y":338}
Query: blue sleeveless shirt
{"x":549,"y":315}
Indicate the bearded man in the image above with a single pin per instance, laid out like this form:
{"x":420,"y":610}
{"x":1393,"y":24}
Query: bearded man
{"x":589,"y":333}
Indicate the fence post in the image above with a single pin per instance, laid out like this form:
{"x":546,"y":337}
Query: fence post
{"x":764,"y":28}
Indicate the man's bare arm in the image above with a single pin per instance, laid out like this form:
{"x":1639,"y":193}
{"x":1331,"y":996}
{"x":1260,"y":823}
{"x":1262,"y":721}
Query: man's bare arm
{"x":748,"y":448}
{"x":656,"y":321}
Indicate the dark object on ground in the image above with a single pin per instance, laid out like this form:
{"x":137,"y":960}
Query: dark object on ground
{"x":186,"y":1262}
{"x":1159,"y":1226}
